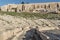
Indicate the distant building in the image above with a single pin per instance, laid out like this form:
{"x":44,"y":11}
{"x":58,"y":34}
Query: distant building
{"x":32,"y":7}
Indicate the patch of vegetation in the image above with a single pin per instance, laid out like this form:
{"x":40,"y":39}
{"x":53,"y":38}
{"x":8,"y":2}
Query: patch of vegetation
{"x":33,"y":15}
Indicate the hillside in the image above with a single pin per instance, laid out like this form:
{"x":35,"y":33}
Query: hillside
{"x":13,"y":26}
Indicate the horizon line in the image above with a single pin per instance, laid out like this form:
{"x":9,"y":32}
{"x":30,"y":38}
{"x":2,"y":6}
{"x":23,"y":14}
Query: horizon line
{"x":31,"y":3}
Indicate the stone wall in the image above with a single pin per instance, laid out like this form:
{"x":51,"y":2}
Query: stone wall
{"x":30,"y":7}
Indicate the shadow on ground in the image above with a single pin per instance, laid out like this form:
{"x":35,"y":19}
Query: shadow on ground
{"x":32,"y":35}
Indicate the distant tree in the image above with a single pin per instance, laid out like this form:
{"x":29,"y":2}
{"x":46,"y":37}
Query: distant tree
{"x":22,"y":2}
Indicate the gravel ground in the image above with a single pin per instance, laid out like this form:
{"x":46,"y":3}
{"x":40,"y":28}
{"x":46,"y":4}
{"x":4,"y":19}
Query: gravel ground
{"x":11,"y":25}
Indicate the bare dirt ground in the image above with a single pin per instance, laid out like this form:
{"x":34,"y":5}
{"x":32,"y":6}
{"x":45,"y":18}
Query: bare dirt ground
{"x":14,"y":28}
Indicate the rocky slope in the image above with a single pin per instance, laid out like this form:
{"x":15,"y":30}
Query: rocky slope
{"x":11,"y":27}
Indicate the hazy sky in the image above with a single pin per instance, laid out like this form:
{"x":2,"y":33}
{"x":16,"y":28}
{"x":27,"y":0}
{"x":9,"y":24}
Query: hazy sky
{"x":4,"y":2}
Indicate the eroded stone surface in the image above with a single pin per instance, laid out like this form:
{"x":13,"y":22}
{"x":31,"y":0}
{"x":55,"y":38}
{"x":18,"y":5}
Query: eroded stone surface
{"x":13,"y":27}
